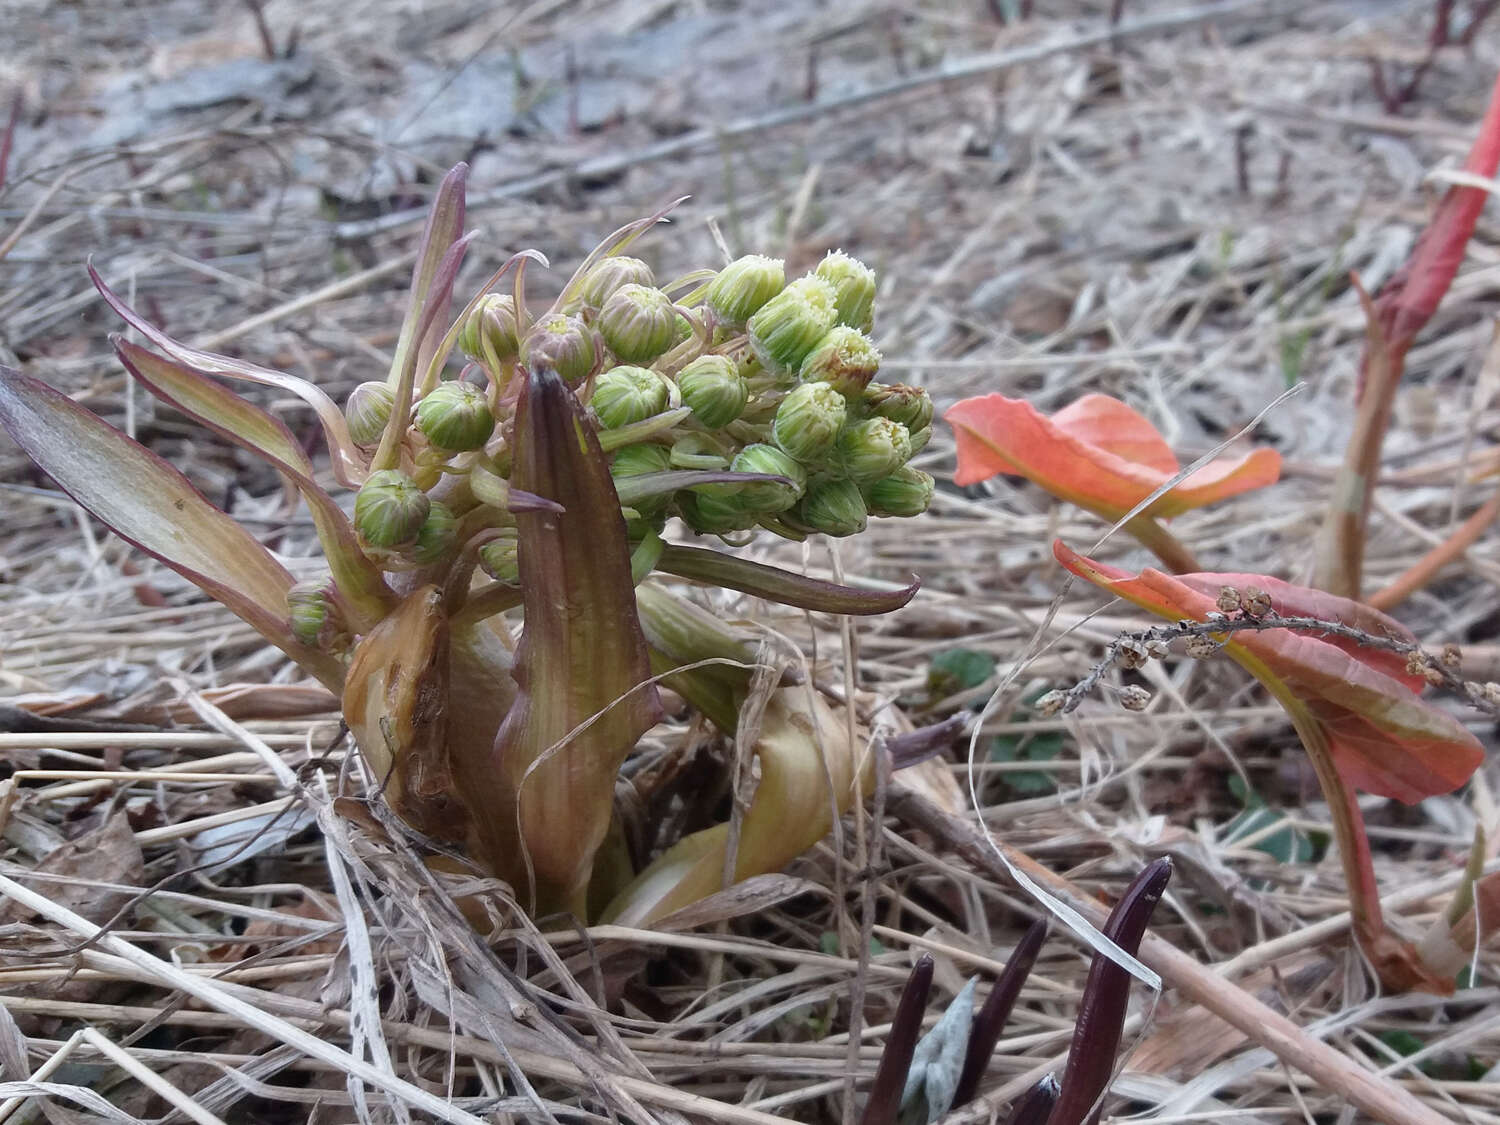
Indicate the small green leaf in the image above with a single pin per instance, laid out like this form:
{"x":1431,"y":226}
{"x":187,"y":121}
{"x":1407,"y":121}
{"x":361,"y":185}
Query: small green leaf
{"x":958,"y":669}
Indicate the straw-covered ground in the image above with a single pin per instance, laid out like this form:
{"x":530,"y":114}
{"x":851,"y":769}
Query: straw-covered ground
{"x":1168,"y":214}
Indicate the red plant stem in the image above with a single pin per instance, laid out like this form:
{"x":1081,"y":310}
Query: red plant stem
{"x":1164,"y":545}
{"x":1425,"y":569}
{"x":895,"y":1060}
{"x":1106,"y":994}
{"x":997,"y":1006}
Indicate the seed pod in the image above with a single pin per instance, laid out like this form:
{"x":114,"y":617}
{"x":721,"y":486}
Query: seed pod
{"x":638,"y":460}
{"x":368,"y":410}
{"x":1130,"y":654}
{"x":906,"y":492}
{"x":833,"y":507}
{"x":1491,"y":693}
{"x":608,"y":275}
{"x":854,"y":287}
{"x":1228,"y":600}
{"x":390,"y":509}
{"x":911,"y":406}
{"x":808,"y":421}
{"x":768,"y":497}
{"x":1158,"y":650}
{"x":1453,"y":658}
{"x":455,"y":417}
{"x":1416,"y":663}
{"x":846,"y":358}
{"x":1049,"y":703}
{"x":743,"y":286}
{"x":788,"y":326}
{"x":314,"y":615}
{"x":638,"y":323}
{"x":563,"y":343}
{"x":624,"y":395}
{"x":1200,"y":647}
{"x":1134,"y":698}
{"x":713,"y":390}
{"x":709,"y":513}
{"x":1255,"y":602}
{"x":873,"y":449}
{"x":498,"y":559}
{"x":490,"y":335}
{"x":436,"y":537}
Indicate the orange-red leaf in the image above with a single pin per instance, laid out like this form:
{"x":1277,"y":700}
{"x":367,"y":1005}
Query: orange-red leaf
{"x":1097,"y":453}
{"x":1383,"y":737}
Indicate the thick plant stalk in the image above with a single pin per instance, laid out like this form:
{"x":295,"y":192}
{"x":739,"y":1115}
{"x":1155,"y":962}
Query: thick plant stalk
{"x":895,"y":1060}
{"x":990,"y":1021}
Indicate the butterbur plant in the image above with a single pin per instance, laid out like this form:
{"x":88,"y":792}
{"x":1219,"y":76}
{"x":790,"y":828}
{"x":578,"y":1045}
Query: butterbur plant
{"x":540,"y":472}
{"x":920,"y":1079}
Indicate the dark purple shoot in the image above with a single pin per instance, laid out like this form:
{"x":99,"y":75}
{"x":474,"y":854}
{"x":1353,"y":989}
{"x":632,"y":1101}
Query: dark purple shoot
{"x":990,"y":1021}
{"x":1035,"y":1105}
{"x":895,"y":1061}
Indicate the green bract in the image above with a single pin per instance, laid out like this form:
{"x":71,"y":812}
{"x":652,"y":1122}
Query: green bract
{"x":455,"y":417}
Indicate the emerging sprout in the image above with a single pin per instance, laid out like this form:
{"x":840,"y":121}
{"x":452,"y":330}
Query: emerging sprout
{"x":906,"y":492}
{"x":368,"y":409}
{"x":769,"y":497}
{"x":854,"y":288}
{"x":563,"y":343}
{"x":455,"y":417}
{"x":624,"y":395}
{"x":713,"y":390}
{"x":390,"y":509}
{"x":808,"y":421}
{"x":873,"y":449}
{"x":608,"y":276}
{"x":490,"y":335}
{"x":844,"y":357}
{"x":638,"y":323}
{"x":743,"y":286}
{"x":790,"y":325}
{"x":833,"y":507}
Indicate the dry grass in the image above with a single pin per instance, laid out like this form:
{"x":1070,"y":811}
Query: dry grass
{"x":1170,"y":221}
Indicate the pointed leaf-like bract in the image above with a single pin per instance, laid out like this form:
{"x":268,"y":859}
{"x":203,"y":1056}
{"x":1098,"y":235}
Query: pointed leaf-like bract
{"x":348,"y":466}
{"x":359,"y":580}
{"x":990,"y":1021}
{"x":895,"y":1060}
{"x":149,"y":503}
{"x":445,"y":226}
{"x":1106,"y":994}
{"x":1356,"y":711}
{"x":777,"y":585}
{"x":582,"y":659}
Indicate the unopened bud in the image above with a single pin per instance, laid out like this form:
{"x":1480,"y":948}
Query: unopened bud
{"x":808,"y":421}
{"x":1134,"y":698}
{"x":624,"y":395}
{"x":1200,"y":647}
{"x":1255,"y":602}
{"x":768,"y":497}
{"x":1228,"y":600}
{"x":845,"y":358}
{"x":906,"y":492}
{"x":489,"y":334}
{"x":389,"y":509}
{"x":713,"y":389}
{"x":368,"y":410}
{"x":609,"y":275}
{"x":638,"y":323}
{"x":436,"y":537}
{"x":1049,"y":703}
{"x":834,"y":507}
{"x":873,"y":449}
{"x":563,"y":343}
{"x":743,"y":286}
{"x":911,"y":406}
{"x":788,"y":326}
{"x":854,"y":287}
{"x":500,"y":560}
{"x":1130,"y":654}
{"x":314,"y":615}
{"x":455,"y":417}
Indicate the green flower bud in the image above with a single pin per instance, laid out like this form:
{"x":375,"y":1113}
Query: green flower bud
{"x":368,"y":409}
{"x":790,"y":324}
{"x":314,"y":615}
{"x":919,"y":439}
{"x":844,"y":357}
{"x":834,"y":507}
{"x":854,"y":284}
{"x":638,"y":460}
{"x":455,"y":417}
{"x":808,"y":421}
{"x":624,"y":395}
{"x":563,"y":343}
{"x":499,"y":559}
{"x":490,"y":332}
{"x":743,"y":286}
{"x":906,"y":492}
{"x":697,"y":451}
{"x":638,"y":323}
{"x":436,"y":537}
{"x":872,"y":449}
{"x":713,"y":390}
{"x":608,"y":275}
{"x":710,"y":513}
{"x":767,"y":497}
{"x":911,"y":406}
{"x":389,"y":509}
